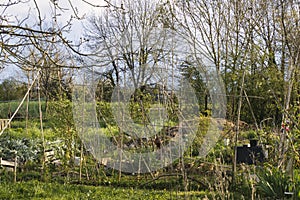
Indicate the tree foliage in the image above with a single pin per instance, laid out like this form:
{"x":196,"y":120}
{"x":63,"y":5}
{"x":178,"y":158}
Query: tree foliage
{"x":11,"y":89}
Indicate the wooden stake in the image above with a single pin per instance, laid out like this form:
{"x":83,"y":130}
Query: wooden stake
{"x":237,"y":128}
{"x":15,"y":167}
{"x":41,"y":124}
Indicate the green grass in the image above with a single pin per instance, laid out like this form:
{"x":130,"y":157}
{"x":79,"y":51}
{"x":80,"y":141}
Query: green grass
{"x":10,"y":107}
{"x":18,"y":130}
{"x":40,"y":190}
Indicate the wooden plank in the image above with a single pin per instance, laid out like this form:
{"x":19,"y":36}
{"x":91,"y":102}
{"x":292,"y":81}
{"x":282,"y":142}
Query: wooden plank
{"x":15,"y":169}
{"x":7,"y":163}
{"x":49,"y":153}
{"x":11,"y":164}
{"x":3,"y":123}
{"x":104,"y":161}
{"x":77,"y":161}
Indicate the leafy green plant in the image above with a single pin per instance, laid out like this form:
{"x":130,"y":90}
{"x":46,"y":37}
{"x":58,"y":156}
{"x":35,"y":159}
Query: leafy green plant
{"x":104,"y":114}
{"x":273,"y":184}
{"x":25,"y":149}
{"x":296,"y":184}
{"x":252,"y":135}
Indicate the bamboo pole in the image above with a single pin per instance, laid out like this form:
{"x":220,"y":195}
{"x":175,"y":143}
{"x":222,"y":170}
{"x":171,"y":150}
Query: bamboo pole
{"x":237,"y":128}
{"x":27,"y":103}
{"x":81,"y":148}
{"x":41,"y":124}
{"x":81,"y":161}
{"x":15,"y":167}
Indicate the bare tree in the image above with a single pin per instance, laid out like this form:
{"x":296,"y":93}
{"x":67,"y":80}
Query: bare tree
{"x":20,"y":35}
{"x":132,"y":41}
{"x":288,"y":15}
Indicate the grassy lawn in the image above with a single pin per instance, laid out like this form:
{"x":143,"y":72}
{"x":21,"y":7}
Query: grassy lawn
{"x":39,"y":190}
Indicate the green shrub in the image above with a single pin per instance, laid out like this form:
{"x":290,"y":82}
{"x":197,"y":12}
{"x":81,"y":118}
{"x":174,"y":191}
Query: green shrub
{"x":25,"y":149}
{"x":273,"y":184}
{"x":29,"y":176}
{"x":104,"y":114}
{"x":297,"y":184}
{"x":251,"y":135}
